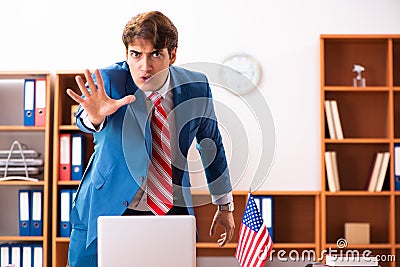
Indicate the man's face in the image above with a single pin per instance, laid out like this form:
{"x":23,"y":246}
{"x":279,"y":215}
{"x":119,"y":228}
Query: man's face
{"x":145,"y":62}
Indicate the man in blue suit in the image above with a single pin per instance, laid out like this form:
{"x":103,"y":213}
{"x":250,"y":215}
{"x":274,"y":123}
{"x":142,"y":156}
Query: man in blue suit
{"x":115,"y":107}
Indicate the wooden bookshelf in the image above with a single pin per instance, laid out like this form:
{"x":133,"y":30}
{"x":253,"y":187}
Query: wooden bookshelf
{"x":34,"y":137}
{"x":63,"y":123}
{"x":370,"y":122}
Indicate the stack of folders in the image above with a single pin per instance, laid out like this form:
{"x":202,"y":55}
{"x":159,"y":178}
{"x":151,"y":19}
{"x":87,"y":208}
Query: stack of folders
{"x":21,"y":255}
{"x":20,"y":162}
{"x":30,"y":212}
{"x":72,"y":153}
{"x":350,"y":260}
{"x":265,"y":206}
{"x":378,"y":171}
{"x":333,"y":119}
{"x":332,"y":172}
{"x":67,"y":196}
{"x":35,"y":102}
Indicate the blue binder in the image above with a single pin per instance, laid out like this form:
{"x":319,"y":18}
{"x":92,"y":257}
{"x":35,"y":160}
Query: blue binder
{"x":36,"y":212}
{"x":397,"y":167}
{"x":29,"y":102}
{"x":24,"y":197}
{"x":26,"y":255}
{"x":65,"y":209}
{"x":77,"y":151}
{"x":37,"y":255}
{"x":266,"y":210}
{"x":4,"y":254}
{"x":15,"y":254}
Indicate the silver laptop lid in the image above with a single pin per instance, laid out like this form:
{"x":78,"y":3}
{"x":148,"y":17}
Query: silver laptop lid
{"x":147,"y":241}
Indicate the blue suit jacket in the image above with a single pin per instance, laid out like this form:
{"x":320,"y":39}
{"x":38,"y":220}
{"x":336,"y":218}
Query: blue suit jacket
{"x":122,"y":151}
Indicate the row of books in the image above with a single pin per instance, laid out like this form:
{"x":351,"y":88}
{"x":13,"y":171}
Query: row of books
{"x":72,"y":154}
{"x":333,"y":119}
{"x":21,"y":255}
{"x":35,"y":102}
{"x":30,"y":205}
{"x":376,"y":177}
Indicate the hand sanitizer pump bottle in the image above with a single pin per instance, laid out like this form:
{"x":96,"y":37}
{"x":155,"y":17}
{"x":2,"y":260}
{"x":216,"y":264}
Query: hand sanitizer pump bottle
{"x":359,"y":81}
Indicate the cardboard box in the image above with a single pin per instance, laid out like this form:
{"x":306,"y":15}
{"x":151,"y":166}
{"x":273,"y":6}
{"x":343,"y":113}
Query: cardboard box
{"x":74,"y":109}
{"x":357,"y":233}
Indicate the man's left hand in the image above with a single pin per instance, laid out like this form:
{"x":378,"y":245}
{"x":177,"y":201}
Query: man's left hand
{"x":225,"y":219}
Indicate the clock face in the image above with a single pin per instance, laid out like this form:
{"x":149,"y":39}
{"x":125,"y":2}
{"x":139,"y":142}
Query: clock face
{"x":243,"y":74}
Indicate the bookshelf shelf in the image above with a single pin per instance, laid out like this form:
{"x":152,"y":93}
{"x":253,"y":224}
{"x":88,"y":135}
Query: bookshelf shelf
{"x":68,"y":128}
{"x":346,"y":193}
{"x":22,"y":238}
{"x":357,"y":89}
{"x":358,"y":141}
{"x":72,"y":183}
{"x":21,"y":128}
{"x":369,"y":118}
{"x":22,"y":183}
{"x":12,"y":128}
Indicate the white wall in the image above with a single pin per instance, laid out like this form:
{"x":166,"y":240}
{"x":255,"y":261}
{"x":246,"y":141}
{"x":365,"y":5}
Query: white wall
{"x":283,"y":35}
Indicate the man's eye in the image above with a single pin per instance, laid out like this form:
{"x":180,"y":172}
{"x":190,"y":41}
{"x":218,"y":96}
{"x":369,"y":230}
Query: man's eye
{"x":135,"y":54}
{"x":156,"y":54}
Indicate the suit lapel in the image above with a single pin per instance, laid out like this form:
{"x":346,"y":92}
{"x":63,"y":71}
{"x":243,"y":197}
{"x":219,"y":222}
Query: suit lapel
{"x":183,"y":113}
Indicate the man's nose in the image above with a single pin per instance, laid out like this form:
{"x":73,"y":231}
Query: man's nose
{"x":146,"y":64}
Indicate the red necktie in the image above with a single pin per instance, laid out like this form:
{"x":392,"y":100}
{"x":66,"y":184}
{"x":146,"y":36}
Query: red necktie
{"x":159,"y":182}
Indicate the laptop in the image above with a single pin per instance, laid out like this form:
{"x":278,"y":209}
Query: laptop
{"x":147,"y":241}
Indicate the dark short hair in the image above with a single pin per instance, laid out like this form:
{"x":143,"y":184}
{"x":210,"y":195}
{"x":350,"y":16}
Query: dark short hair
{"x":153,"y":26}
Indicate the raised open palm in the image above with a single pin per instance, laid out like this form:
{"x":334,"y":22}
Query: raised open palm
{"x":96,"y":102}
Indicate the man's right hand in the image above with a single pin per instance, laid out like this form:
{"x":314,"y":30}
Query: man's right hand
{"x":97,"y":103}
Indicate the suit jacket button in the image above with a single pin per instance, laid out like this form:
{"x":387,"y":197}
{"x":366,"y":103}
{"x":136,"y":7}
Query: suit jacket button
{"x":125,"y":203}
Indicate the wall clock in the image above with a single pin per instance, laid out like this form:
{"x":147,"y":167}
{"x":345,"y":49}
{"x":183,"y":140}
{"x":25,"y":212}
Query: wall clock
{"x":247,"y":76}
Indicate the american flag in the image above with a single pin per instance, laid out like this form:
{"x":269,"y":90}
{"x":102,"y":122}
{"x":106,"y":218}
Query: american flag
{"x":255,"y":244}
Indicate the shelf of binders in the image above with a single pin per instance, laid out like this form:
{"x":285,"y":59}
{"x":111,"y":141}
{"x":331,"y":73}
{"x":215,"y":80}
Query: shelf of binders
{"x":72,"y":149}
{"x":25,"y":101}
{"x":291,"y":217}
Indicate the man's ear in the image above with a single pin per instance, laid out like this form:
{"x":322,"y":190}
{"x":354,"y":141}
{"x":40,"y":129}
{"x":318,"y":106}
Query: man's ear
{"x":172,"y":56}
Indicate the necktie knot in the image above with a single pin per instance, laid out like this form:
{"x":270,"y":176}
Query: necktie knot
{"x":155,"y":98}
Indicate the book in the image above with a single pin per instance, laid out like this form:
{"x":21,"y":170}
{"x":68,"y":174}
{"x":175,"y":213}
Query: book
{"x":336,"y":120}
{"x":335,"y":170}
{"x":332,"y":171}
{"x":330,"y":176}
{"x":382,"y":171}
{"x":329,"y":119}
{"x":373,"y":178}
